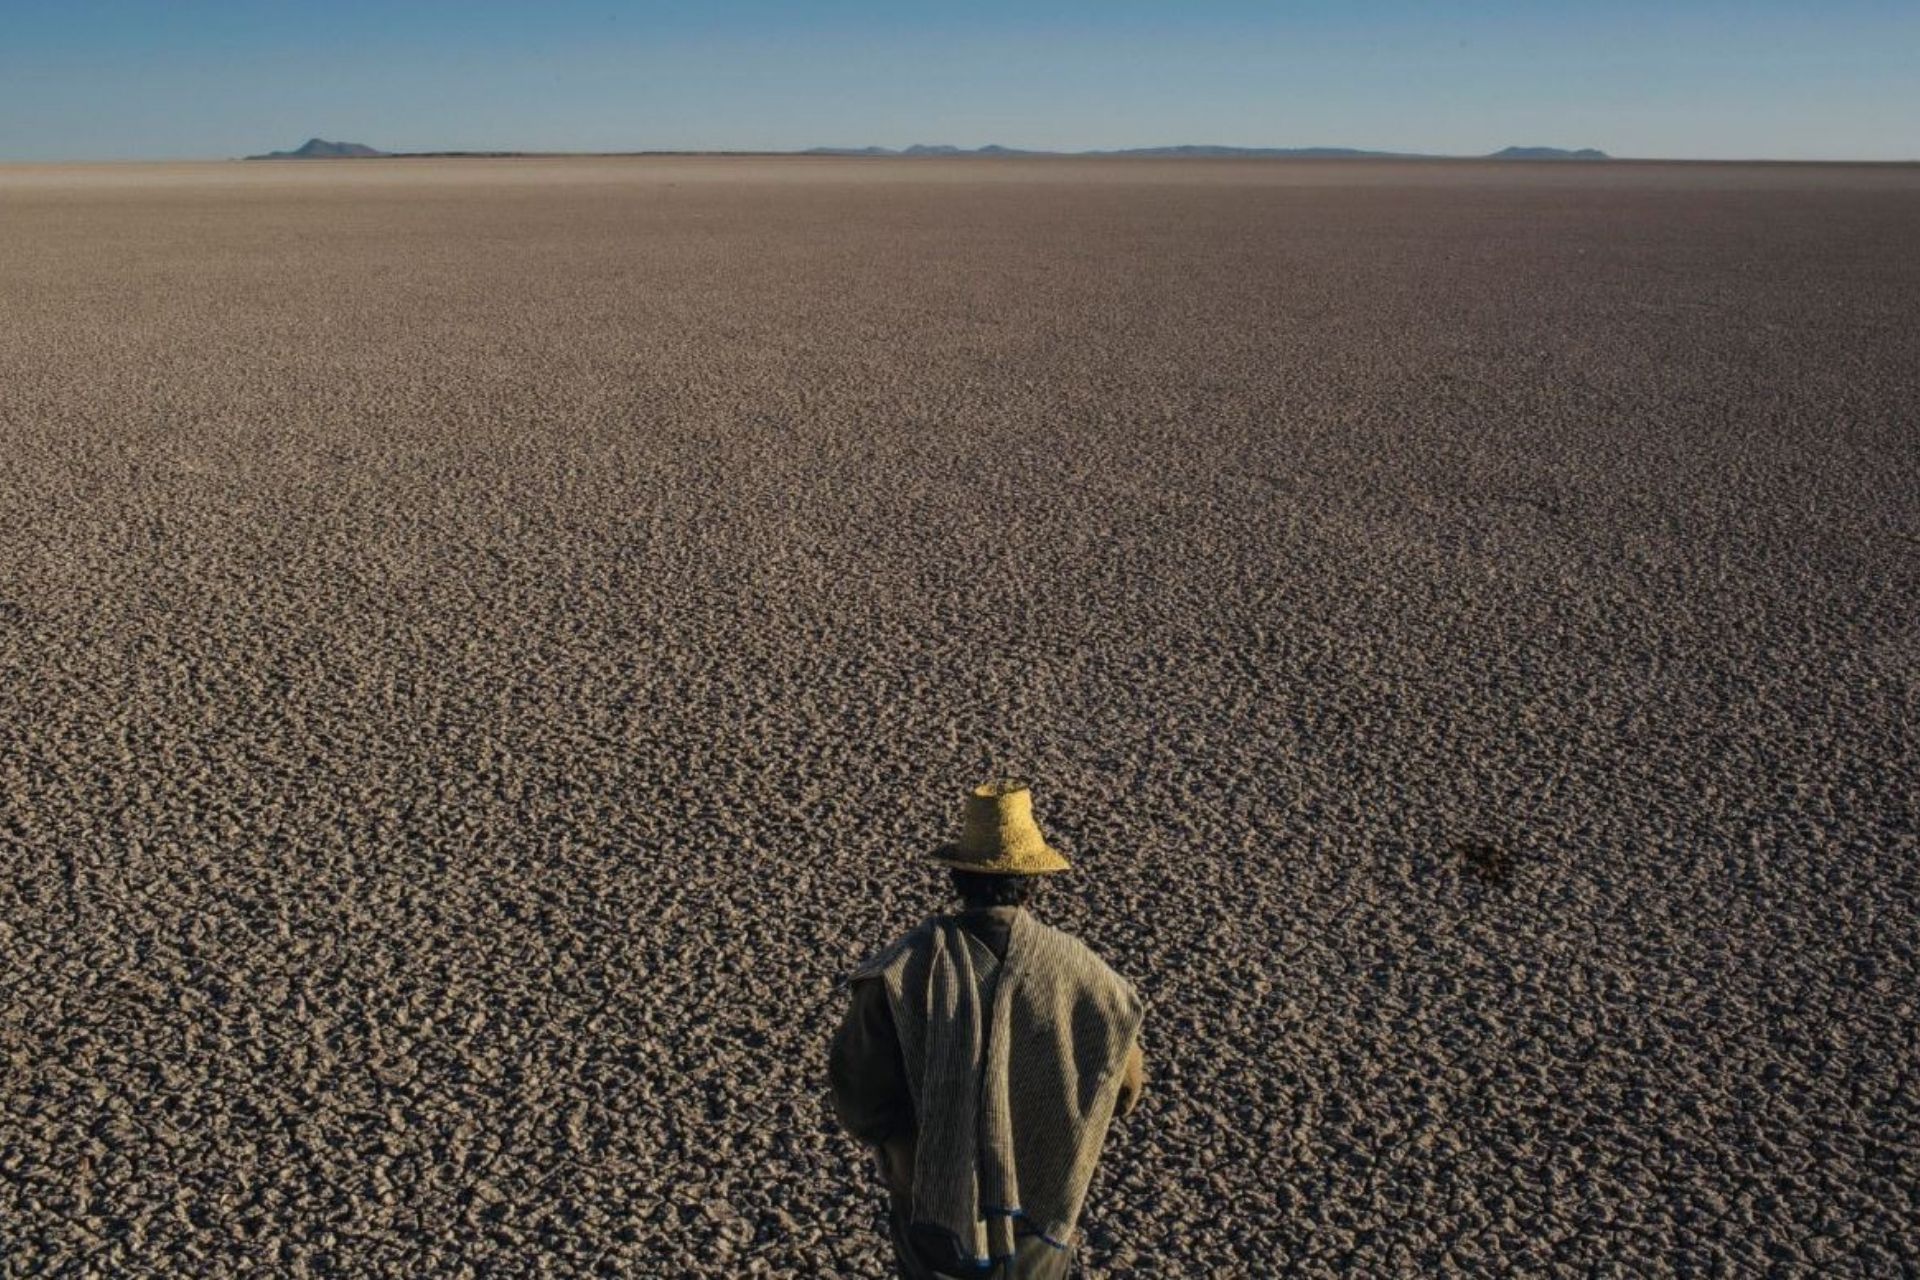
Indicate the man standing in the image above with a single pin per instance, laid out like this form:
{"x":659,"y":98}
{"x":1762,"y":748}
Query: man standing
{"x":983,"y":1057}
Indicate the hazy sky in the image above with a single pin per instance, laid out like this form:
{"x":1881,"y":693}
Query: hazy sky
{"x":111,"y":79}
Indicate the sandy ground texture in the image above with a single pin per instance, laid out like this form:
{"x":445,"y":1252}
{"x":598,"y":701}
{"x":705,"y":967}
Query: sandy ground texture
{"x":482,"y":645}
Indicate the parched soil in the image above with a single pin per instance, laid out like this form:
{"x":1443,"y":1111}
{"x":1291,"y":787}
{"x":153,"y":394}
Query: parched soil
{"x":484,"y":644}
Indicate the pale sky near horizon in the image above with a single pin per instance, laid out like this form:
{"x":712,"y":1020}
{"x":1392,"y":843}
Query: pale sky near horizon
{"x":141,"y":79}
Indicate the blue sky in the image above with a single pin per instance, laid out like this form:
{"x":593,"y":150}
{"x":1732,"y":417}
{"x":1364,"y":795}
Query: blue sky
{"x":120,"y":79}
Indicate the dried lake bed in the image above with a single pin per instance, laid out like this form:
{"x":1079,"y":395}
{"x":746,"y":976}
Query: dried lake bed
{"x":483,"y":644}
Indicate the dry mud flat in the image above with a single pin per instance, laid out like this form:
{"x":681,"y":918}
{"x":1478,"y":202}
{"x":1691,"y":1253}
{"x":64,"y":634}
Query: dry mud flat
{"x":481,"y":645}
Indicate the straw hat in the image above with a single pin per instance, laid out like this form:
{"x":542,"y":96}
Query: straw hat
{"x":1000,"y":836}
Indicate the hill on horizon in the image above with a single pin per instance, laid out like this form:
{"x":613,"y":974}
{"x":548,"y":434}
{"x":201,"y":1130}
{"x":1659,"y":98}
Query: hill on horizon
{"x":1548,"y":153}
{"x":321,"y":149}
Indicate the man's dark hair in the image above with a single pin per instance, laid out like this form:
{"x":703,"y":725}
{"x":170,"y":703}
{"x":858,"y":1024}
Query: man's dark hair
{"x":978,"y":891}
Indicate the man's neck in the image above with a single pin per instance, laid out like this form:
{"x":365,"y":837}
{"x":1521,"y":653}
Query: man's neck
{"x":992,"y":925}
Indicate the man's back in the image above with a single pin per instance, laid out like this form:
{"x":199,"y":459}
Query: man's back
{"x":986,"y":1053}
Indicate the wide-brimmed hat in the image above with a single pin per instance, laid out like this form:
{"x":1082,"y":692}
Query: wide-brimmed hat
{"x":1000,"y":837}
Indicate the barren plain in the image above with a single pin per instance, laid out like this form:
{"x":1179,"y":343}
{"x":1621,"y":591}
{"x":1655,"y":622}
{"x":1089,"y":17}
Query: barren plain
{"x":484,"y":643}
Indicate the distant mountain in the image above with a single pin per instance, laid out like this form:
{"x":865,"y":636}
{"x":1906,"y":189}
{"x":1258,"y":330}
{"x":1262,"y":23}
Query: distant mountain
{"x":321,"y":149}
{"x":1548,"y":153}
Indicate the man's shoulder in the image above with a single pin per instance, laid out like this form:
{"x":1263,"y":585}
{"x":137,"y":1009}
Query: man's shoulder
{"x":901,"y":951}
{"x":1057,"y":950}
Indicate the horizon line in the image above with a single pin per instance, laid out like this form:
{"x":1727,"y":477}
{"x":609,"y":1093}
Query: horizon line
{"x":1251,"y":152}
